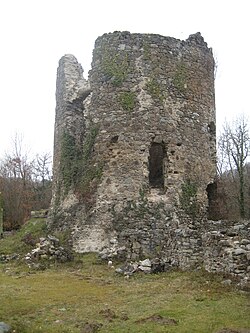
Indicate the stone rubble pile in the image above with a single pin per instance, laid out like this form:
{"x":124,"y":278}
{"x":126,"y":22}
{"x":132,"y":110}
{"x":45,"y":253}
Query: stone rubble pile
{"x":5,"y":258}
{"x":148,"y":266}
{"x":49,"y":249}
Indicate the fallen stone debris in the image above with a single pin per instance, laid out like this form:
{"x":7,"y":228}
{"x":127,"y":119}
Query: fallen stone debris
{"x":147,"y":266}
{"x":49,"y":249}
{"x":5,"y":258}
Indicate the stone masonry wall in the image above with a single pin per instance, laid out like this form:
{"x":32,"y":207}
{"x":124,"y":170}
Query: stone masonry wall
{"x":71,"y":91}
{"x":135,"y":148}
{"x":227,"y":249}
{"x":149,"y":89}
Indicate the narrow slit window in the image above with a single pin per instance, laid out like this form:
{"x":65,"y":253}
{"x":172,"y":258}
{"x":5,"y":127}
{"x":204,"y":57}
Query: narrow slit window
{"x":156,"y":170}
{"x":212,"y":201}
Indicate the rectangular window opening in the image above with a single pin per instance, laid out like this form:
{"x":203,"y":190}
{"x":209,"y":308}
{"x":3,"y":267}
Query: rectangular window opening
{"x":156,"y":165}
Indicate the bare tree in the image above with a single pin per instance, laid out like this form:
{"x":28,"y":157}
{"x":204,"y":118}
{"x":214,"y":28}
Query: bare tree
{"x":25,"y":183}
{"x":234,"y":145}
{"x":42,"y":168}
{"x":16,"y":184}
{"x":42,"y":181}
{"x":15,"y":163}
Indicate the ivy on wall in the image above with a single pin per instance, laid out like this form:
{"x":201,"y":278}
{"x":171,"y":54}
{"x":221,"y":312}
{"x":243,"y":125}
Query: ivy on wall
{"x":154,"y":89}
{"x":188,"y":199}
{"x":69,"y":163}
{"x":76,"y":167}
{"x":127,"y":100}
{"x":89,"y":171}
{"x":180,"y":78}
{"x":115,"y":67}
{"x":153,"y":85}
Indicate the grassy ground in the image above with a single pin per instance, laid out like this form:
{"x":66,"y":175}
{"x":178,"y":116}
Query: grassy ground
{"x":31,"y":231}
{"x":86,"y":297}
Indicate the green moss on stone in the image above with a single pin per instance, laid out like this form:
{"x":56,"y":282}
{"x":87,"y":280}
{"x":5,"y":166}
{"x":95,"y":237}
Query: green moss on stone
{"x":89,"y":142}
{"x":154,"y":89}
{"x":188,"y":199}
{"x":127,"y":100}
{"x":180,"y":78}
{"x":115,"y":67}
{"x":70,"y":155}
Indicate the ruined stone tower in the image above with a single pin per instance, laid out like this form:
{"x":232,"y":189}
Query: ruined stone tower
{"x":134,"y":155}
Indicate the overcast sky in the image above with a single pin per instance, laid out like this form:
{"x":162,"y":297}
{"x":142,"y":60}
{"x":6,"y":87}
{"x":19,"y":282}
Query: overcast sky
{"x":36,"y":33}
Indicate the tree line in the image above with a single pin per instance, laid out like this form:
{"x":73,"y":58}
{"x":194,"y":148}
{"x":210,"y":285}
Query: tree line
{"x":25,"y":184}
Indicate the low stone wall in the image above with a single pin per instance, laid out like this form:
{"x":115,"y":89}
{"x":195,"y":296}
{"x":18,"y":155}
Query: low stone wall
{"x":216,"y":246}
{"x":227,"y":248}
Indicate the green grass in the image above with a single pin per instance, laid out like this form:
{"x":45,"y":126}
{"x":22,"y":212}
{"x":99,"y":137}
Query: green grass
{"x":67,"y":296}
{"x":35,"y":227}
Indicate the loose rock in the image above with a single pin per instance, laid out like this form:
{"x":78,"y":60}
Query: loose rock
{"x":4,"y":328}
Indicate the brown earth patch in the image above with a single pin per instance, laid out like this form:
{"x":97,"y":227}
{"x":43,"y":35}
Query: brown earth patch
{"x":90,"y":327}
{"x":108,"y":314}
{"x":156,"y":318}
{"x":229,"y":330}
